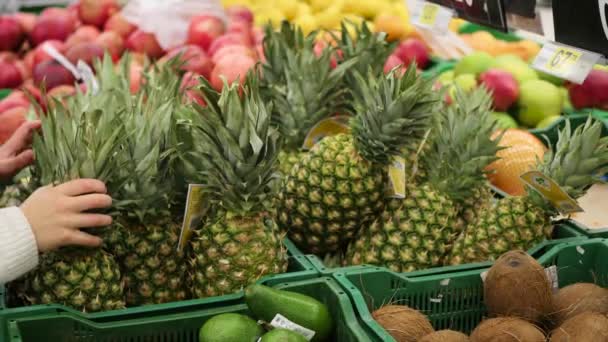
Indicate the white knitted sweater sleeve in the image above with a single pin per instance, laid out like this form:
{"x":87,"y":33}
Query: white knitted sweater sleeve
{"x":18,"y":248}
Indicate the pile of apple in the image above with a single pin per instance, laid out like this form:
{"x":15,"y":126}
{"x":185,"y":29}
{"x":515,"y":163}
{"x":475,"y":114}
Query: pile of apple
{"x":521,"y":96}
{"x":409,"y":51}
{"x":88,"y":29}
{"x":593,"y":93}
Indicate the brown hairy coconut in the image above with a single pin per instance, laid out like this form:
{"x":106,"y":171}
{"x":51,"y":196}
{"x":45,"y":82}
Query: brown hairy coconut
{"x":507,"y":329}
{"x":578,"y":298}
{"x":404,"y":324}
{"x":517,"y":286}
{"x":585,"y":327}
{"x":445,"y":336}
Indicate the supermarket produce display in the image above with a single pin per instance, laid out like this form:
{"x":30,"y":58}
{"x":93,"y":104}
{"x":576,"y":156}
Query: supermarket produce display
{"x":307,"y":170}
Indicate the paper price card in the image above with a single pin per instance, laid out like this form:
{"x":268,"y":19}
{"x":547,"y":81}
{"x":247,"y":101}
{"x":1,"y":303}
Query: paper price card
{"x":324,"y":128}
{"x":430,"y":16}
{"x":565,"y":62}
{"x":194,"y":214}
{"x":551,"y":191}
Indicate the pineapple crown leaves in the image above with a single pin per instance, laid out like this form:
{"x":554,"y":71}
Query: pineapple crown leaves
{"x":462,"y":145}
{"x":306,"y":89}
{"x":241,"y":148}
{"x":579,"y":159}
{"x":391,"y":112}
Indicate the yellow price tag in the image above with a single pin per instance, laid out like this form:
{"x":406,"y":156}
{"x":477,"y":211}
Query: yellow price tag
{"x":563,"y":59}
{"x":194,"y":214}
{"x":429,"y":14}
{"x":396,"y":176}
{"x":551,"y":191}
{"x":324,"y":128}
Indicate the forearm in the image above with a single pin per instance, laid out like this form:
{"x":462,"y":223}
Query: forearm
{"x":18,"y":249}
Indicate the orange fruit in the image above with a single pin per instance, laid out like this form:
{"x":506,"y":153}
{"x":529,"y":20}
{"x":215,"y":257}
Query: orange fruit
{"x":520,"y":155}
{"x":393,"y":25}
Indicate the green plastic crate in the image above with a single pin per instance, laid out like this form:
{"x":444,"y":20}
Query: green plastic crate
{"x":177,"y":323}
{"x":438,"y":68}
{"x":4,"y":93}
{"x":454,"y":300}
{"x":472,"y":28}
{"x":299,"y":268}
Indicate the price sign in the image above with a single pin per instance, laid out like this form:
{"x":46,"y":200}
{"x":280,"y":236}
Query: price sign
{"x":430,"y":16}
{"x":565,"y":62}
{"x":484,"y":12}
{"x":583,"y":24}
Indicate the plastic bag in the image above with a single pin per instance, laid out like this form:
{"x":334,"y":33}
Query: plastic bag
{"x":168,"y":20}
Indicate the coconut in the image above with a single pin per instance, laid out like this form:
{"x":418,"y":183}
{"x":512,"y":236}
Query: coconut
{"x":403,"y":323}
{"x":445,"y":336}
{"x":585,"y":327}
{"x":517,"y":286}
{"x":507,"y":329}
{"x":578,"y":298}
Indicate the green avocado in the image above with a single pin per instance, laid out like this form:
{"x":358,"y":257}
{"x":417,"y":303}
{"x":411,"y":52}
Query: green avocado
{"x":230,"y":327}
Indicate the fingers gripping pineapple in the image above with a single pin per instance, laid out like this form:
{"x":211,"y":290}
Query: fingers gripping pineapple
{"x":340,"y":184}
{"x":302,"y":86}
{"x":416,"y":232}
{"x":579,"y":159}
{"x":241,"y":243}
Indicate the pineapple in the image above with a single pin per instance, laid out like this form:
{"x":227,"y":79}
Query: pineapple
{"x":146,"y":235}
{"x":340,"y":185}
{"x":239,"y":244}
{"x":303,"y":87}
{"x":416,"y":232}
{"x":579,"y":159}
{"x":79,"y":142}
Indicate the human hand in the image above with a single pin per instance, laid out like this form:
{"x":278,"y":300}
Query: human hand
{"x":15,"y":154}
{"x":56,"y":213}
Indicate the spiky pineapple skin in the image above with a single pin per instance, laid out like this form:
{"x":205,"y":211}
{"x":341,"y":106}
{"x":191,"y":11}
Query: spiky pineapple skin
{"x":86,"y":280}
{"x":231,"y":252}
{"x":513,"y":223}
{"x":411,"y":234}
{"x":288,"y":159}
{"x":154,"y":270}
{"x":472,"y":206}
{"x":329,"y":195}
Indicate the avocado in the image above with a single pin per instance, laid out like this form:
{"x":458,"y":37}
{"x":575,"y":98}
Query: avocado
{"x":230,"y":327}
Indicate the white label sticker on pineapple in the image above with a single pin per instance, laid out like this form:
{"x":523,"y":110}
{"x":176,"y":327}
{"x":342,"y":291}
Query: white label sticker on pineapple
{"x":565,"y":62}
{"x":552,"y":192}
{"x":430,"y":16}
{"x":396,"y":176}
{"x":324,"y":128}
{"x":193,"y":214}
{"x":280,"y":321}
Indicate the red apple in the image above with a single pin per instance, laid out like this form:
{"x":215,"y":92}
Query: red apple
{"x":15,"y":99}
{"x":140,"y":41}
{"x":8,"y":57}
{"x":258,"y":35}
{"x":233,"y":68}
{"x":233,"y":49}
{"x":194,"y":59}
{"x":27,"y":21}
{"x":28,"y":60}
{"x":84,"y":34}
{"x":87,"y":52}
{"x":11,"y":34}
{"x":320,"y":46}
{"x":135,"y":76}
{"x":113,"y":43}
{"x":592,"y":93}
{"x":228,"y":39}
{"x":96,"y":12}
{"x":413,"y":50}
{"x":204,"y":29}
{"x":52,"y":28}
{"x":503,"y":86}
{"x":52,"y":74}
{"x":188,"y":84}
{"x":10,"y":76}
{"x":392,"y":62}
{"x":25,"y":72}
{"x":242,"y":28}
{"x":40,"y":55}
{"x":29,"y":88}
{"x":119,"y":24}
{"x":10,"y":120}
{"x":242,"y":13}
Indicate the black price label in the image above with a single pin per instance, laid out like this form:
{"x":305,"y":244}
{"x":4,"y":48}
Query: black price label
{"x":583,"y":24}
{"x":489,"y":13}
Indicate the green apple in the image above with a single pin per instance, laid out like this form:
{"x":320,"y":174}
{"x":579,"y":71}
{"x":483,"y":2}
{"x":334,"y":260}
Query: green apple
{"x":538,"y":100}
{"x":516,"y":67}
{"x":548,"y":121}
{"x":446,"y":76}
{"x":475,"y":63}
{"x":504,"y":120}
{"x":465,"y":82}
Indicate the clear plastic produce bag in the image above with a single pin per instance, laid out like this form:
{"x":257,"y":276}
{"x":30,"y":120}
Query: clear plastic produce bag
{"x":169,"y":19}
